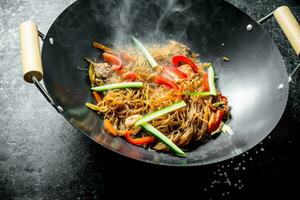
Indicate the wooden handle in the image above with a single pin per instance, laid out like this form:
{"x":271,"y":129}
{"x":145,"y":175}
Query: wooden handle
{"x":289,"y":25}
{"x":30,"y":49}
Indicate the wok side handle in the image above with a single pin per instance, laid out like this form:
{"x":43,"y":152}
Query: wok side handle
{"x":30,"y":50}
{"x":289,"y":26}
{"x":32,"y":60}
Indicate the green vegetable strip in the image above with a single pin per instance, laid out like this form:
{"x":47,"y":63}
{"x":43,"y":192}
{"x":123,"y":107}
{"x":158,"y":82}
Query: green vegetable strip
{"x":211,"y":81}
{"x":218,"y":104}
{"x":118,"y":86}
{"x":160,"y":112}
{"x":201,"y":94}
{"x":145,"y":52}
{"x":153,"y":131}
{"x":92,"y":106}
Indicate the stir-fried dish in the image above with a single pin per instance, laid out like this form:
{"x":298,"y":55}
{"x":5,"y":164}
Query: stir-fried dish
{"x":160,"y":97}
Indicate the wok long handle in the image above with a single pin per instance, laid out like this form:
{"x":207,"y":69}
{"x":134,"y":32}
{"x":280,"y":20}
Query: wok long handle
{"x":30,"y":50}
{"x":289,"y":25}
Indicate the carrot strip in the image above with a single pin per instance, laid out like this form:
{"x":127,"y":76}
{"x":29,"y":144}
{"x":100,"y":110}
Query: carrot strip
{"x":97,"y":96}
{"x":179,"y":94}
{"x":109,"y":128}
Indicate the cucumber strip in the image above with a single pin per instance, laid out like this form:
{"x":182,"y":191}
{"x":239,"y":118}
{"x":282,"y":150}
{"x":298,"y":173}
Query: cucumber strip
{"x":153,"y":131}
{"x":160,"y":112}
{"x":211,"y":81}
{"x":145,"y":52}
{"x":118,"y":86}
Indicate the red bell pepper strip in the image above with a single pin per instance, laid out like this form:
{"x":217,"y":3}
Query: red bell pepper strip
{"x":175,"y":72}
{"x":138,"y":141}
{"x":205,"y":85}
{"x":129,"y":76}
{"x":176,"y":60}
{"x":215,"y":121}
{"x":112,"y":59}
{"x":222,"y":98}
{"x":166,"y":82}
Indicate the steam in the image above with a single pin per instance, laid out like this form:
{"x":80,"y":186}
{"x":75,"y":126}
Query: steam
{"x":158,"y":20}
{"x":150,"y":20}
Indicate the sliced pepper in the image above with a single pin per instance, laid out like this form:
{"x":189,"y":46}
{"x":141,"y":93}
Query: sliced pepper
{"x":166,"y":82}
{"x":222,"y":98}
{"x":129,"y":76}
{"x":205,"y":85}
{"x":138,"y":141}
{"x":112,"y":59}
{"x":214,"y":121}
{"x":175,"y":72}
{"x":176,"y":60}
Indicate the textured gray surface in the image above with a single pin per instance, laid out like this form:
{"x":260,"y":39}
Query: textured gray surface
{"x":43,"y":157}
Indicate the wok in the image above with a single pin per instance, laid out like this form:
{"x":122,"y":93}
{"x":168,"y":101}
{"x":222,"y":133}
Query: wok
{"x":255,"y":80}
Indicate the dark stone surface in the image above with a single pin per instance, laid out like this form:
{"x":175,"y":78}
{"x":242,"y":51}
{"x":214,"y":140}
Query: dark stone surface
{"x":43,"y":157}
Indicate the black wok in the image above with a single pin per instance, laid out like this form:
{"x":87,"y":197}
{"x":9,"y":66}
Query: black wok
{"x":255,"y":80}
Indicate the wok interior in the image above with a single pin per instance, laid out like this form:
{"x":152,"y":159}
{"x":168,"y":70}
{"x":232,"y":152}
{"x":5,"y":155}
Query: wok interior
{"x":209,"y":28}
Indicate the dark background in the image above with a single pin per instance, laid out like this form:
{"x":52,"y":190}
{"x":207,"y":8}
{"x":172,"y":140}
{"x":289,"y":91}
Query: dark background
{"x":43,"y":157}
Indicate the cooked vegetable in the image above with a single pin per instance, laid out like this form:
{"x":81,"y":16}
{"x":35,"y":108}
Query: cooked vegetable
{"x":92,"y":106}
{"x":92,"y":74}
{"x":129,"y":76}
{"x":138,"y":141}
{"x":218,"y":104}
{"x":177,"y":60}
{"x":112,"y":59}
{"x":109,"y":127}
{"x":177,"y":95}
{"x":118,"y":86}
{"x":166,"y":82}
{"x":163,"y":139}
{"x":158,"y":113}
{"x":206,"y":65}
{"x":97,"y":96}
{"x":200,"y":94}
{"x":205,"y":85}
{"x":175,"y":72}
{"x":145,"y":52}
{"x":215,"y":120}
{"x":211,"y":81}
{"x":222,"y":98}
{"x":102,"y":47}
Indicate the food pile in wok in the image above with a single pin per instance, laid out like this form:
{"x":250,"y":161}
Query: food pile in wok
{"x":160,"y":97}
